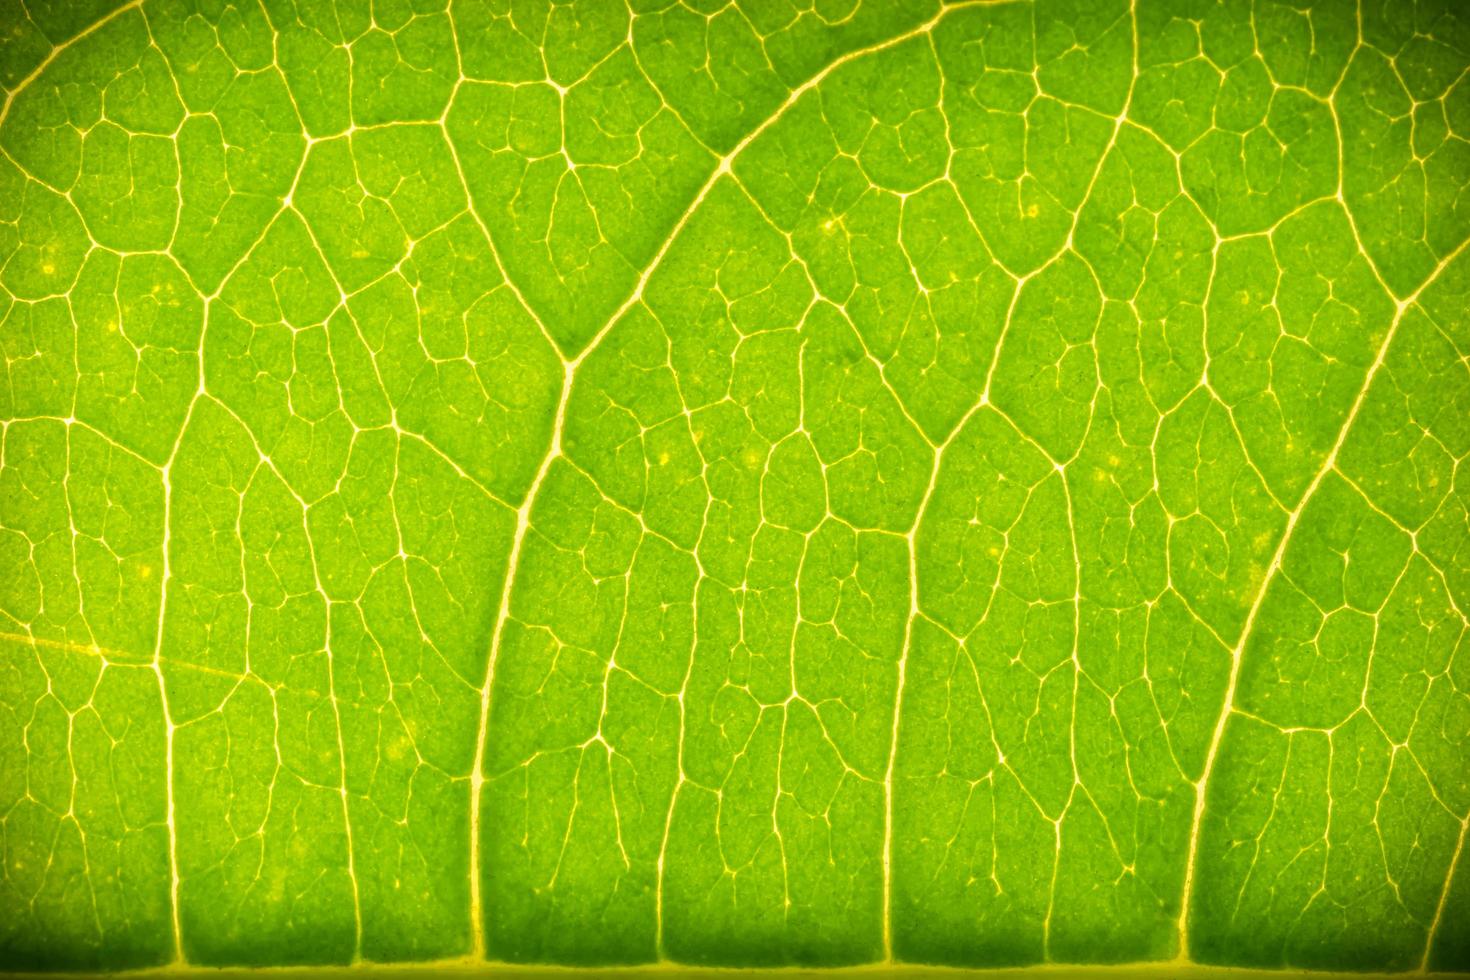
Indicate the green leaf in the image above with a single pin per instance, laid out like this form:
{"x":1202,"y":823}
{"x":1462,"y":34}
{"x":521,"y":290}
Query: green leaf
{"x":737,"y":484}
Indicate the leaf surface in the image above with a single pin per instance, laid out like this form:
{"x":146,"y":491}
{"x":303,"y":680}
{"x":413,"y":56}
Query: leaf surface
{"x":743,"y":485}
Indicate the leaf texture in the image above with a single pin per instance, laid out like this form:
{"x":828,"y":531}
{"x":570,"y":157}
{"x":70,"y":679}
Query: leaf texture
{"x":743,"y":483}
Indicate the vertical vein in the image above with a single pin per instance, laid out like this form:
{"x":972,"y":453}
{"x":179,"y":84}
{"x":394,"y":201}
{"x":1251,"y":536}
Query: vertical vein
{"x":502,"y":615}
{"x":169,"y":728}
{"x":1444,"y":896}
{"x":1329,"y":463}
{"x":911,"y":540}
{"x":721,"y":168}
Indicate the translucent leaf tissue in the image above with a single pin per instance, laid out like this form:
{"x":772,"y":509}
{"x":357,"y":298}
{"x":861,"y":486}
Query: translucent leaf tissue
{"x":742,"y":483}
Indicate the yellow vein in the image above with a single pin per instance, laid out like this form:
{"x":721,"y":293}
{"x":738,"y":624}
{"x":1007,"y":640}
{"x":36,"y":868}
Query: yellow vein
{"x":523,"y":513}
{"x":1227,"y":708}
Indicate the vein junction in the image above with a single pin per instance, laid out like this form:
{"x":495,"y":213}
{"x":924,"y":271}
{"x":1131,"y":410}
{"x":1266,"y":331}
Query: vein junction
{"x":585,"y":484}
